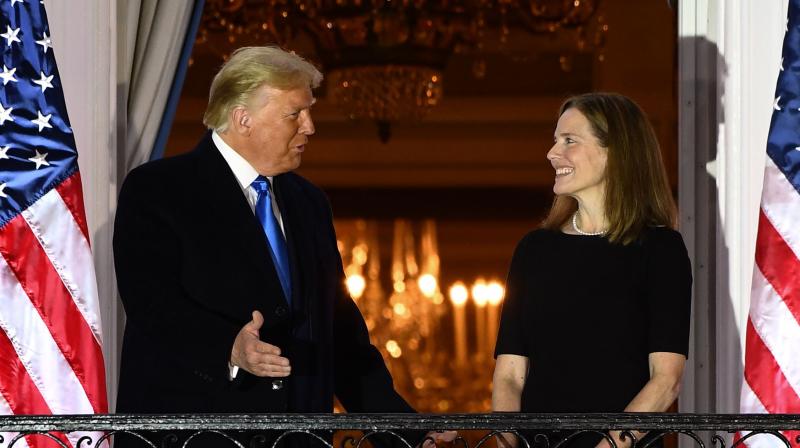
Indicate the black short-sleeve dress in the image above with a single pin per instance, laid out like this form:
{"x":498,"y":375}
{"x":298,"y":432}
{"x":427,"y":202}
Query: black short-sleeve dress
{"x":587,"y":313}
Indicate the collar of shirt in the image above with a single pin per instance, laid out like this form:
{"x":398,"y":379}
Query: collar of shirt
{"x":244,"y":172}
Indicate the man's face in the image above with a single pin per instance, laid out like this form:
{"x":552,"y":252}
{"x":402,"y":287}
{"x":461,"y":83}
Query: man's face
{"x":279,"y":124}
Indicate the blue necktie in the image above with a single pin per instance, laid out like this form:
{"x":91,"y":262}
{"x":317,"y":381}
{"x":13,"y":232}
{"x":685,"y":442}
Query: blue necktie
{"x":277,"y":244}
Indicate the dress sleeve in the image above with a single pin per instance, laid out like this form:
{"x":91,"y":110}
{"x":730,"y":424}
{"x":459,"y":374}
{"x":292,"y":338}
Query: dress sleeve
{"x":669,"y":293}
{"x":510,"y":337}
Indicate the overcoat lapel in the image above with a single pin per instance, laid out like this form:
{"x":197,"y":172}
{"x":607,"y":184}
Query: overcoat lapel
{"x":226,"y":208}
{"x":299,"y":225}
{"x":298,"y":239}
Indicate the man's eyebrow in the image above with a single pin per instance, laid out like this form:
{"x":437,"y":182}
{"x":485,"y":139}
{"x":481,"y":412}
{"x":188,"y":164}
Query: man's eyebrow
{"x":301,"y":107}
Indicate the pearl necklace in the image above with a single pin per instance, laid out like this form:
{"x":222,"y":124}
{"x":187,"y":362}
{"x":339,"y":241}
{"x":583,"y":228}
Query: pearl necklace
{"x":577,"y":229}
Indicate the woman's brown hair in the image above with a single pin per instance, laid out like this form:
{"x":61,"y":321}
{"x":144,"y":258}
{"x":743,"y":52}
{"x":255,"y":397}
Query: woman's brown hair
{"x":637,"y":190}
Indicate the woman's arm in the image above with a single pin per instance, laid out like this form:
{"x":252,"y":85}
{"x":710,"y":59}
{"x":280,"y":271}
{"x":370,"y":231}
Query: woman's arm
{"x":669,"y":304}
{"x":510,"y":373}
{"x":666,"y":371}
{"x":658,"y":394}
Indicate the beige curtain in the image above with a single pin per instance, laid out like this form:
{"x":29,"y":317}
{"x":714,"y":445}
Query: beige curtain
{"x":151,"y":47}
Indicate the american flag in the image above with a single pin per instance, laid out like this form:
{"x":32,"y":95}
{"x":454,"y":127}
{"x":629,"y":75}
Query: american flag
{"x":772,"y":351}
{"x":50,"y":336}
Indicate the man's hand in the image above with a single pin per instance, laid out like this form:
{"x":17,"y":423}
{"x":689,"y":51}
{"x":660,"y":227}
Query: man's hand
{"x":434,"y":437}
{"x":256,"y":356}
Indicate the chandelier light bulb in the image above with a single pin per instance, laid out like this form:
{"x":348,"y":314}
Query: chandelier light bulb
{"x":427,"y":284}
{"x":480,"y":292}
{"x":355,"y":285}
{"x":459,"y":294}
{"x":495,"y":292}
{"x":399,"y":309}
{"x":360,"y":254}
{"x":393,"y":348}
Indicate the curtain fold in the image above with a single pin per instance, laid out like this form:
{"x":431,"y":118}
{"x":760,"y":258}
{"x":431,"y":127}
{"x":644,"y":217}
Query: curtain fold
{"x":154,"y":38}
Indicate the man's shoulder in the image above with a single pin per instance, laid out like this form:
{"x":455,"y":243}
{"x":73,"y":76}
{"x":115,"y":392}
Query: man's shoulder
{"x":160,"y":179}
{"x":304,"y":186}
{"x":173,"y":167}
{"x":161,"y":167}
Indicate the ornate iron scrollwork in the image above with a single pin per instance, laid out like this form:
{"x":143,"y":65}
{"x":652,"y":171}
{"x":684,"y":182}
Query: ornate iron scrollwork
{"x":275,"y":430}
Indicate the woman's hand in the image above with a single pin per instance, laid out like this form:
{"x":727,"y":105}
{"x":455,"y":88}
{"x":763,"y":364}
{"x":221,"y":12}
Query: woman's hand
{"x":666,"y":372}
{"x":617,"y":436}
{"x":433,"y":438}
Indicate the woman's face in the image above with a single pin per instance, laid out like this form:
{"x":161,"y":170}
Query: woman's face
{"x":578,"y":159}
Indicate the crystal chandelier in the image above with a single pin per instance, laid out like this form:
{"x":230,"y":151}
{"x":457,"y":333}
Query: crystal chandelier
{"x":384,"y":58}
{"x":439,"y":351}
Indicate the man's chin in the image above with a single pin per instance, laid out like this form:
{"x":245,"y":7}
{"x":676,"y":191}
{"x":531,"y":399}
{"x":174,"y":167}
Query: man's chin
{"x":295,"y":162}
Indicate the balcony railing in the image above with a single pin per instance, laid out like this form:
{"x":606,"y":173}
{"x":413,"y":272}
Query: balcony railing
{"x":273,"y":430}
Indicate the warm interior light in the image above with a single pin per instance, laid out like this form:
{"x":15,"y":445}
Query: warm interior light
{"x":393,"y":348}
{"x":399,"y":309}
{"x":459,"y":294}
{"x":495,"y":292}
{"x":427,"y":284}
{"x":480,"y":292}
{"x":360,"y":254}
{"x":408,"y":45}
{"x":355,"y":285}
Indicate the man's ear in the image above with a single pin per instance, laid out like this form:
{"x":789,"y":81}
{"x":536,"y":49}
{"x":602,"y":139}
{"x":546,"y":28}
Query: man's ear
{"x":240,"y":120}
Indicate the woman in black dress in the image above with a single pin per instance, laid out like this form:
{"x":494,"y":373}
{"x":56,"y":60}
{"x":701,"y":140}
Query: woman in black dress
{"x":596,"y":315}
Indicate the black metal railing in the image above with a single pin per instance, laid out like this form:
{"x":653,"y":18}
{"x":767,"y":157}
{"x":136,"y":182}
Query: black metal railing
{"x":402,"y":430}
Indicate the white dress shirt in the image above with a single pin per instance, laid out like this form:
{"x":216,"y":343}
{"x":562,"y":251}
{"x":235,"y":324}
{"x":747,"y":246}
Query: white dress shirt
{"x":245,"y":174}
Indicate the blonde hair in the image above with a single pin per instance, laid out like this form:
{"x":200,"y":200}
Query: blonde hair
{"x":637,"y":189}
{"x":248,"y":69}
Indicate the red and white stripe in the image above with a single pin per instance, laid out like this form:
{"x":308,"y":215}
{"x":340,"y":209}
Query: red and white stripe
{"x":772,"y":353}
{"x":5,"y":409}
{"x":50,"y":332}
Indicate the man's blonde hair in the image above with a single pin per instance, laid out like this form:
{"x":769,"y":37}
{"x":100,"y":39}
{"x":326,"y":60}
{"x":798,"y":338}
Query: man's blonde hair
{"x":248,"y":69}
